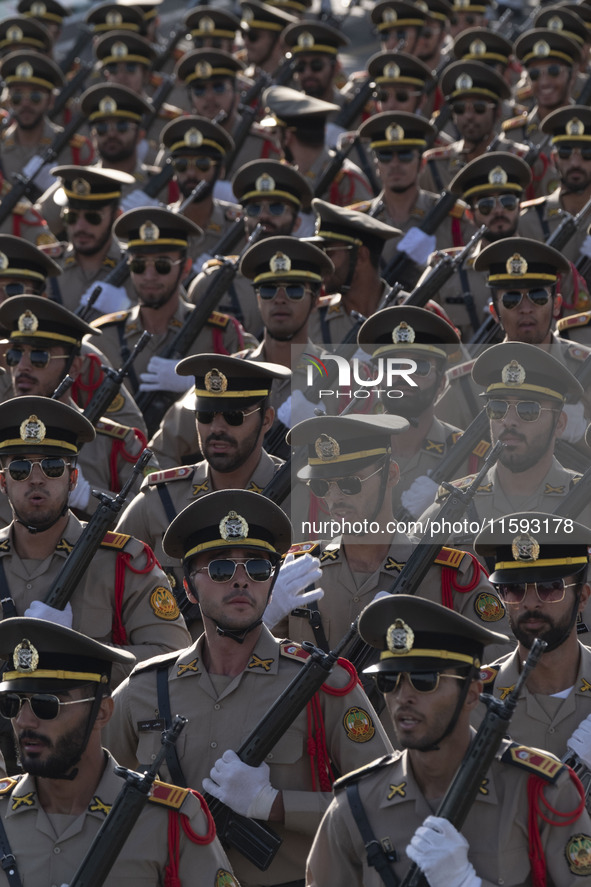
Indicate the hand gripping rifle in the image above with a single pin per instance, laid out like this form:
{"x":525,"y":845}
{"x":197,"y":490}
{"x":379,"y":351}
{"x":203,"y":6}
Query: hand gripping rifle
{"x":112,"y":382}
{"x":465,"y":785}
{"x":153,"y":404}
{"x":108,"y":842}
{"x":104,"y":518}
{"x":254,"y":839}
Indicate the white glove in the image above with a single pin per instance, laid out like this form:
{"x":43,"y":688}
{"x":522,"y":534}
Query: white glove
{"x":419,"y":495}
{"x":39,"y":610}
{"x":247,"y":790}
{"x":43,"y":179}
{"x":112,"y":298}
{"x":289,"y":591}
{"x":200,"y":262}
{"x":161,"y":376}
{"x":441,"y":853}
{"x":222,"y":190}
{"x":580,"y":741}
{"x":80,"y":496}
{"x":417,"y":245}
{"x":577,"y":423}
{"x":585,"y":247}
{"x":295,"y":409}
{"x":137,"y":198}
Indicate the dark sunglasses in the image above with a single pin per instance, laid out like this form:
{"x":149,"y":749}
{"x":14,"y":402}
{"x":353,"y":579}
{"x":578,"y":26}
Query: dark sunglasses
{"x":253,"y":36}
{"x":92,"y":216}
{"x":399,"y":34}
{"x":401,"y":95}
{"x":51,"y":466}
{"x":223,"y":570}
{"x":479,"y":107}
{"x":234,"y":418}
{"x":203,"y":164}
{"x":551,"y":591}
{"x":315,"y":65}
{"x":35,"y":97}
{"x":424,"y":367}
{"x":37,"y":357}
{"x":512,"y":298}
{"x":130,"y":67}
{"x":551,"y":71}
{"x":294,"y":291}
{"x":13,"y":289}
{"x":565,"y":152}
{"x":527,"y":410}
{"x":102,"y":127}
{"x":209,"y":42}
{"x":403,"y":155}
{"x":349,"y":486}
{"x":44,"y":706}
{"x":219,"y":87}
{"x":254,"y":209}
{"x":161,"y":266}
{"x":486,"y":204}
{"x":421,"y":681}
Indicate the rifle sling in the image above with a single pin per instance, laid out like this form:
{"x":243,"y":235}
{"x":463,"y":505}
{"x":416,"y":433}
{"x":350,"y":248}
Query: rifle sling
{"x":377,"y":856}
{"x":315,"y":618}
{"x":7,"y":860}
{"x":172,"y":759}
{"x":125,"y":351}
{"x":8,"y":606}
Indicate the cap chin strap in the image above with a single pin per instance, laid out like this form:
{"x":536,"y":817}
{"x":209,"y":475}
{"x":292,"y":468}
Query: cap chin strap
{"x":240,"y":636}
{"x":351,"y":270}
{"x":43,"y":527}
{"x":435,"y":745}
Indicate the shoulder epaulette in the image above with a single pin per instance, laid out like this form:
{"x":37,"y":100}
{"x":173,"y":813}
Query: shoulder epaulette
{"x":437,"y":153}
{"x":488,"y":674}
{"x":114,"y":317}
{"x":458,"y":209}
{"x":77,"y":140}
{"x":155,"y":662}
{"x":168,"y":795}
{"x":534,"y":760}
{"x":514,"y":122}
{"x":363,"y":206}
{"x":462,"y":369}
{"x":581,"y":319}
{"x":7,"y":784}
{"x":291,"y":650}
{"x":115,"y":540}
{"x":160,"y":477}
{"x":355,"y":775}
{"x":535,"y":201}
{"x":577,"y":352}
{"x":450,"y":557}
{"x":112,"y":429}
{"x":216,"y":318}
{"x":305,"y":548}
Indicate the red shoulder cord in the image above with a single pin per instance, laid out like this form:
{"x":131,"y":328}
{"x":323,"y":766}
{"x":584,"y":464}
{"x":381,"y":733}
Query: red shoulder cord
{"x":449,"y":584}
{"x":122,"y":563}
{"x":456,"y":232}
{"x":535,"y":800}
{"x":171,"y":875}
{"x":322,"y":775}
{"x":82,"y":391}
{"x":118,"y":450}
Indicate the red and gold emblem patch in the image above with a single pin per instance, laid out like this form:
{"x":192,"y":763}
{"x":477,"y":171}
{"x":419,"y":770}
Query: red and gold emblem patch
{"x":164,"y":604}
{"x":358,"y":725}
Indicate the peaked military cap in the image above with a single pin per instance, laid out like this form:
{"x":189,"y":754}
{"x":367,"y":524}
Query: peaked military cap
{"x":491,"y":172}
{"x":349,"y":226}
{"x":482,"y":45}
{"x":203,"y":64}
{"x":148,"y":8}
{"x":89,"y":186}
{"x":464,"y":79}
{"x":315,"y":37}
{"x":49,"y":11}
{"x":229,"y":519}
{"x":31,"y":68}
{"x":209,"y":21}
{"x":510,"y":368}
{"x":341,"y":445}
{"x":285,"y":258}
{"x":115,"y":16}
{"x":124,"y":46}
{"x":402,"y":328}
{"x":229,"y":383}
{"x":519,"y":262}
{"x":41,"y":655}
{"x":529,"y":546}
{"x":264,"y":17}
{"x":32,"y":320}
{"x":479,"y":6}
{"x":42,"y":425}
{"x":271,"y":180}
{"x":296,"y":110}
{"x":107,"y":100}
{"x":569,"y":124}
{"x":19,"y":258}
{"x":566,"y":21}
{"x":390,"y":15}
{"x":392,"y":129}
{"x":196,"y":135}
{"x":150,"y":227}
{"x":413,"y":634}
{"x":295,"y":7}
{"x":400,"y":68}
{"x":544,"y":44}
{"x":22,"y":34}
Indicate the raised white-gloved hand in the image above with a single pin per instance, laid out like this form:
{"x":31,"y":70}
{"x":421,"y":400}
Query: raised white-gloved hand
{"x":222,"y":190}
{"x":419,"y":495}
{"x":247,"y":790}
{"x":295,"y":409}
{"x":161,"y":376}
{"x":441,"y":853}
{"x":417,"y":245}
{"x":577,"y":423}
{"x":112,"y":298}
{"x":585,"y":247}
{"x":137,"y":198}
{"x":43,"y":179}
{"x":39,"y":610}
{"x":289,"y":591}
{"x":580,"y":741}
{"x":80,"y":496}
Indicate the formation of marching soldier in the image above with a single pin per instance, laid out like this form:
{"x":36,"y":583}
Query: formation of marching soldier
{"x":302,"y":358}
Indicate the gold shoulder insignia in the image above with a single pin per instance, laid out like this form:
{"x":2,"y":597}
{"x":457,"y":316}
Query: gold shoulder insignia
{"x":216,"y":318}
{"x":514,"y":122}
{"x":581,"y":319}
{"x":114,"y":317}
{"x":577,"y":352}
{"x":481,"y":448}
{"x":159,"y":477}
{"x":458,"y":209}
{"x":115,"y":540}
{"x":329,"y":554}
{"x":534,"y":760}
{"x":112,"y":429}
{"x":363,"y":206}
{"x":450,"y":557}
{"x":5,"y":545}
{"x":305,"y":548}
{"x":435,"y":447}
{"x":549,"y":490}
{"x":292,"y":650}
{"x":7,"y":784}
{"x":168,"y":795}
{"x":355,"y":775}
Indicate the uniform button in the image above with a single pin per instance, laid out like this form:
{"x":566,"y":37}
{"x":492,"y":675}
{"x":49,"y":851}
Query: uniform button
{"x":269,"y":756}
{"x":56,"y":850}
{"x":213,"y":745}
{"x":500,"y":881}
{"x":29,"y":585}
{"x":551,"y":730}
{"x":152,"y":757}
{"x":217,"y":706}
{"x":356,"y":599}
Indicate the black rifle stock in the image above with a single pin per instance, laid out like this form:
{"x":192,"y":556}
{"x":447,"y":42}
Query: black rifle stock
{"x":157,"y":100}
{"x":568,"y":227}
{"x":336,"y":162}
{"x":123,"y":815}
{"x":81,"y":555}
{"x":173,"y":38}
{"x":83,"y":40}
{"x":112,"y":382}
{"x":572,"y":760}
{"x":466,"y":783}
{"x":236,"y":830}
{"x":442,"y":272}
{"x":72,"y":87}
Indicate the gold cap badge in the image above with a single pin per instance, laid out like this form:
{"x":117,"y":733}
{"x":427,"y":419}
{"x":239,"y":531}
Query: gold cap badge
{"x":555,"y":23}
{"x":25,"y":69}
{"x":108,"y":105}
{"x":525,"y":548}
{"x":478,"y":47}
{"x":389,"y":16}
{"x":575,"y":127}
{"x":233,"y":526}
{"x":215,"y":382}
{"x":113,"y":18}
{"x":541,"y":49}
{"x":38,"y":8}
{"x":394,"y":132}
{"x":305,"y":40}
{"x":81,"y":187}
{"x":265,"y":183}
{"x":193,"y":138}
{"x":149,"y":232}
{"x":27,"y":322}
{"x":400,"y":638}
{"x":203,"y":70}
{"x":464,"y":81}
{"x":206,"y":24}
{"x":392,"y":70}
{"x":25,"y":657}
{"x":32,"y":430}
{"x":403,"y":334}
{"x":3,"y":261}
{"x":498,"y":176}
{"x":513,"y":374}
{"x":516,"y":265}
{"x":327,"y":448}
{"x":119,"y":50}
{"x":279,"y":263}
{"x":14,"y":34}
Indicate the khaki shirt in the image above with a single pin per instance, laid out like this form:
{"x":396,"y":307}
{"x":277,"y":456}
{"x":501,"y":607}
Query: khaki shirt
{"x":73,"y":282}
{"x":222,"y":217}
{"x":330,"y":322}
{"x":26,"y":222}
{"x":539,"y":719}
{"x":260,"y":144}
{"x":496,"y":827}
{"x":49,"y":848}
{"x":148,"y":611}
{"x":348,"y":186}
{"x":14,"y":156}
{"x":353,"y":735}
{"x":539,"y":218}
{"x":239,"y":300}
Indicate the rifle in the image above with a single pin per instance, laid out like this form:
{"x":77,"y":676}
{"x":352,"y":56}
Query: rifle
{"x":82,"y":41}
{"x":123,"y":815}
{"x":73,"y":86}
{"x":572,"y":760}
{"x":153,"y":404}
{"x":338,"y":158}
{"x":351,"y":111}
{"x":158,"y":100}
{"x":79,"y":559}
{"x":401,"y":264}
{"x":465,"y":785}
{"x":112,"y":382}
{"x":568,"y":227}
{"x":486,"y":332}
{"x":255,"y":840}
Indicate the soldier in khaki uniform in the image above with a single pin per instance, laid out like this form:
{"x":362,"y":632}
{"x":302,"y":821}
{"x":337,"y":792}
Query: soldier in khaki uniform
{"x":26,"y":222}
{"x":231,"y":676}
{"x":52,"y":813}
{"x":397,"y":20}
{"x":540,"y":571}
{"x":125,"y":599}
{"x":428,"y":672}
{"x":21,"y":33}
{"x":402,"y":81}
{"x":262,"y":27}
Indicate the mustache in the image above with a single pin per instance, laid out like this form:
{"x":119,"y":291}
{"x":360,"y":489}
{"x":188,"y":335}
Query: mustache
{"x":533,"y":614}
{"x":31,"y":734}
{"x":220,"y":436}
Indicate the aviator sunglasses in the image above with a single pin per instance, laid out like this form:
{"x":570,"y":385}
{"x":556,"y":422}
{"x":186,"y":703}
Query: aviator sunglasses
{"x":44,"y":706}
{"x":223,"y":570}
{"x":51,"y":466}
{"x":421,"y":681}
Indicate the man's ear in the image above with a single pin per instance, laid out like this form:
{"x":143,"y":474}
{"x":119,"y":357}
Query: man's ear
{"x":3,"y":482}
{"x":73,"y":478}
{"x":76,"y":367}
{"x":105,"y":712}
{"x":268,"y":419}
{"x":473,"y":695}
{"x":557,"y":306}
